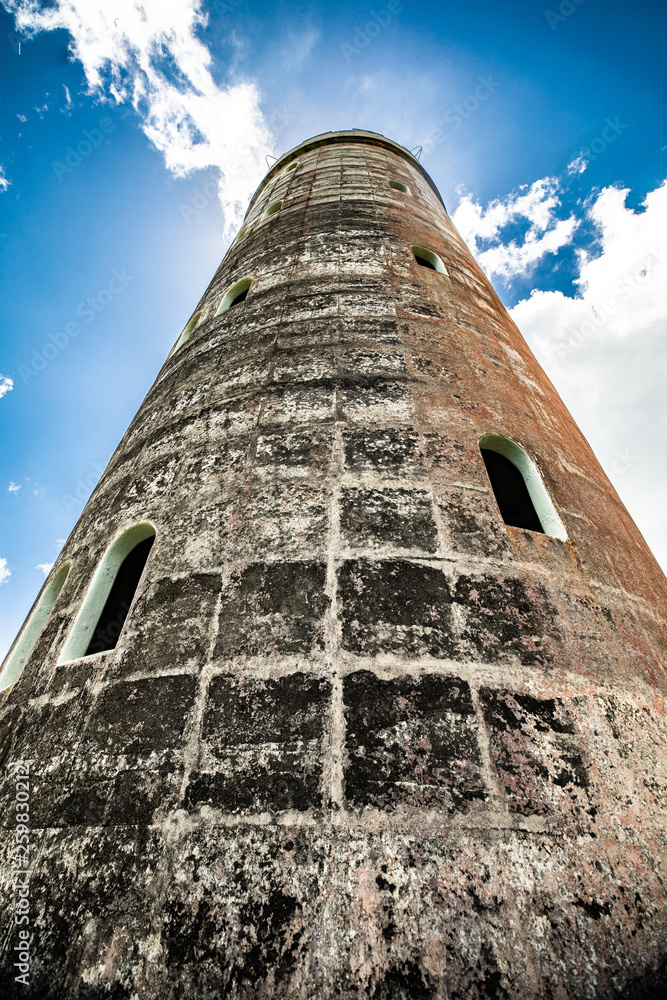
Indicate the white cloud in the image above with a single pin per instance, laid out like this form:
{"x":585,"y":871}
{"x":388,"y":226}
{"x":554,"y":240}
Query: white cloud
{"x":606,"y":351}
{"x":578,"y":165}
{"x":45,"y":568}
{"x":4,"y":184}
{"x":14,"y":487}
{"x":298,"y":48}
{"x":148,"y":52}
{"x":4,"y":572}
{"x":6,"y":385}
{"x":546,"y":233}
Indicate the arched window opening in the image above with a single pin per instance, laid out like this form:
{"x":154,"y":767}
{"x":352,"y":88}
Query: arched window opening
{"x":518,"y":488}
{"x":241,"y":233}
{"x":291,"y":167}
{"x":397,"y":186}
{"x":426,"y":258}
{"x":234,"y":295}
{"x":188,"y":331}
{"x":107,"y":603}
{"x":27,"y":639}
{"x":272,"y":209}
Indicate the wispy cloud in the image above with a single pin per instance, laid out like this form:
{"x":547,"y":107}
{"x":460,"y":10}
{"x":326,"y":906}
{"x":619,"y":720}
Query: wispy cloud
{"x":605,"y":349}
{"x":4,"y":572}
{"x":14,"y":487}
{"x":578,"y":165}
{"x":485,"y":229}
{"x":45,"y":568}
{"x":298,"y":48}
{"x":6,"y":385}
{"x":148,"y":52}
{"x":4,"y":184}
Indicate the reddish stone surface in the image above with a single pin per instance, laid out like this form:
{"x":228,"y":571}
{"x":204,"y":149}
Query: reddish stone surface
{"x":359,"y":738}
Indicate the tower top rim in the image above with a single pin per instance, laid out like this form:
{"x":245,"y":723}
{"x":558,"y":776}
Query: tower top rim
{"x":344,"y":136}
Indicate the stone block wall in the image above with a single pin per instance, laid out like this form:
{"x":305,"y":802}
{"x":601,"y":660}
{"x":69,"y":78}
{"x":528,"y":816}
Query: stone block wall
{"x":359,"y":738}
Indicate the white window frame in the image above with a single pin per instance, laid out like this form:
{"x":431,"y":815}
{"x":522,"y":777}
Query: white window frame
{"x":521,"y":460}
{"x":33,"y":628}
{"x":85,"y":623}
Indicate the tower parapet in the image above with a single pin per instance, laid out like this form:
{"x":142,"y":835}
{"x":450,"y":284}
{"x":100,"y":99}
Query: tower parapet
{"x":350,"y":680}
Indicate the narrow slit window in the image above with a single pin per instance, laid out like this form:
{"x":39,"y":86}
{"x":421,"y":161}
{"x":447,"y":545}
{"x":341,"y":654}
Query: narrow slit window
{"x":511,"y":492}
{"x":518,"y":488}
{"x":34,"y":626}
{"x":398,"y":186}
{"x":291,"y":167}
{"x":272,"y":209}
{"x":107,"y":603}
{"x":234,"y":295}
{"x":426,"y":258}
{"x":241,"y":233}
{"x":120,"y":597}
{"x":188,"y":331}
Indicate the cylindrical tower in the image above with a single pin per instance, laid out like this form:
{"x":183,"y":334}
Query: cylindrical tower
{"x":350,"y":680}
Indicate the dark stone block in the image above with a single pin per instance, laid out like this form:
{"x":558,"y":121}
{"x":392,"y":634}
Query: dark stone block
{"x":47,"y":734}
{"x":395,"y":606}
{"x":48,"y":739}
{"x":69,"y":675}
{"x":266,"y":782}
{"x":79,"y":802}
{"x":138,"y":717}
{"x":273,"y":608}
{"x":169,"y":625}
{"x":392,"y":450}
{"x":310,"y":449}
{"x":411,"y":741}
{"x":136,"y":794}
{"x":536,"y":752}
{"x":504,"y":619}
{"x":267,"y":736}
{"x":399,"y":518}
{"x":127,"y":799}
{"x":46,"y":796}
{"x":286,"y":709}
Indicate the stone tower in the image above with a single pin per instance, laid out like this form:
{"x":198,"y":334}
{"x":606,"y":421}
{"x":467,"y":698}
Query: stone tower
{"x":350,"y":681}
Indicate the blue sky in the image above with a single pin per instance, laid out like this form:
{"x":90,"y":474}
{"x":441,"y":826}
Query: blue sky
{"x":134,"y":133}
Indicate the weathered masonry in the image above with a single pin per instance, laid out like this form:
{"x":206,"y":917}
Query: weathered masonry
{"x":350,"y":681}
